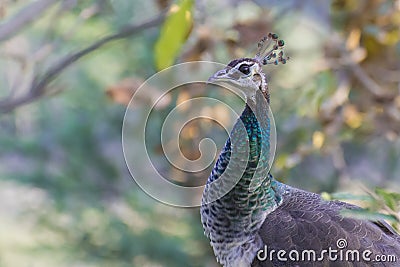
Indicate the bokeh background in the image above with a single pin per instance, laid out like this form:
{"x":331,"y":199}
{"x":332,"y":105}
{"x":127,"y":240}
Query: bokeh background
{"x":69,"y":68}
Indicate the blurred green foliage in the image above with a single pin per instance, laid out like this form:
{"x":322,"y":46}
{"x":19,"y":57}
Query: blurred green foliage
{"x":66,"y":196}
{"x":174,"y":33}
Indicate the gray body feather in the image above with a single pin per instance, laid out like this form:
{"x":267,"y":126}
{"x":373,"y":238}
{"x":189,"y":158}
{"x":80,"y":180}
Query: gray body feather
{"x":306,"y":222}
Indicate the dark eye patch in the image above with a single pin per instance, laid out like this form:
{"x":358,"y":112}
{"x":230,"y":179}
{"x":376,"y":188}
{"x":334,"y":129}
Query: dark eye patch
{"x":245,"y":69}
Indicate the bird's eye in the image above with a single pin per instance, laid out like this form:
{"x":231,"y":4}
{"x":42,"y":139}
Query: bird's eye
{"x":245,"y":69}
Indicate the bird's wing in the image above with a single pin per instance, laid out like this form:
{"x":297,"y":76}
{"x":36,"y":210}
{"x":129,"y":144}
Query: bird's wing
{"x":306,"y":222}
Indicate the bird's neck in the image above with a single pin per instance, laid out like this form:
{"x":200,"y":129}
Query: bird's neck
{"x":256,"y":122}
{"x":233,"y":220}
{"x":256,"y":185}
{"x":241,"y":178}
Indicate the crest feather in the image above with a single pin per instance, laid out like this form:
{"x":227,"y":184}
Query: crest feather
{"x":270,"y":50}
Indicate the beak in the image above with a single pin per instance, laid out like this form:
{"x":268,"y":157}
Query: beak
{"x":220,"y":76}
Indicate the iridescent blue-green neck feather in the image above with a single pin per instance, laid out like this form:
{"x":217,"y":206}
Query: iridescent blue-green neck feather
{"x":232,"y":221}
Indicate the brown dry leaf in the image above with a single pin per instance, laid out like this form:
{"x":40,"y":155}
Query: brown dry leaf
{"x":123,"y":91}
{"x":204,"y":43}
{"x":163,"y":4}
{"x":249,"y":32}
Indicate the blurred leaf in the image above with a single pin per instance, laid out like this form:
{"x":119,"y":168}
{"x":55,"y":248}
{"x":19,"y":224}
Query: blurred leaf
{"x":123,"y":91}
{"x":353,"y":40}
{"x":315,"y":10}
{"x":391,"y":37}
{"x":174,"y":33}
{"x":318,"y":139}
{"x":391,"y":199}
{"x":352,"y":116}
{"x":369,"y":215}
{"x":347,"y":196}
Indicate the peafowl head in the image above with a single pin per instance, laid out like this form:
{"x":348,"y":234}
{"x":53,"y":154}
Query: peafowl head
{"x":247,"y":73}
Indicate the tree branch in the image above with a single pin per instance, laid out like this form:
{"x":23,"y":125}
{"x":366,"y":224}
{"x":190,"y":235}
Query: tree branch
{"x":369,"y":83}
{"x":40,"y":83}
{"x":23,"y":17}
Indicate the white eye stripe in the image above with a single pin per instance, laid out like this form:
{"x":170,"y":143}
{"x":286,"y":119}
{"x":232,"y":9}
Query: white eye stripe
{"x":249,"y":63}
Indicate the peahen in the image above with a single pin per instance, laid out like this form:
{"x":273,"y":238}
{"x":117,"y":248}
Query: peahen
{"x":259,"y":215}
